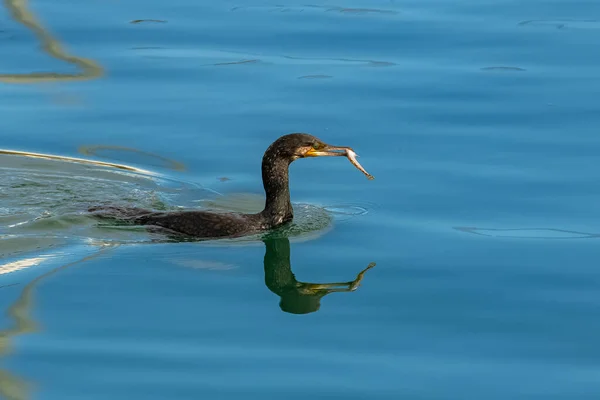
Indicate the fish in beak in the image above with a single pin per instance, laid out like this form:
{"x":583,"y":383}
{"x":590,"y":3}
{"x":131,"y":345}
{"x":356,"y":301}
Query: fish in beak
{"x":336,"y":151}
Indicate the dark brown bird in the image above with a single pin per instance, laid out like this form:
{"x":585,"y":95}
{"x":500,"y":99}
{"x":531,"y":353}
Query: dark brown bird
{"x":278,"y":207}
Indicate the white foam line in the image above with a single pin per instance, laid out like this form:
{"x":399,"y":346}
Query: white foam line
{"x":75,"y":159}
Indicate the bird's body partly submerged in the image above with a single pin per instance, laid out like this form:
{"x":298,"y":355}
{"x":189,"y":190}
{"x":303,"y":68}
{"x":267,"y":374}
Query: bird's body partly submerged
{"x":211,"y":225}
{"x":195,"y":223}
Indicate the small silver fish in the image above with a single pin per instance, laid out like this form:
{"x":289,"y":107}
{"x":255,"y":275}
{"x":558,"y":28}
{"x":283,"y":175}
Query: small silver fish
{"x":352,"y":157}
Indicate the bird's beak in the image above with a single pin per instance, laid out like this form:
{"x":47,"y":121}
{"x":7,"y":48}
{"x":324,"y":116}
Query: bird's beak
{"x":336,"y":151}
{"x":328,"y":151}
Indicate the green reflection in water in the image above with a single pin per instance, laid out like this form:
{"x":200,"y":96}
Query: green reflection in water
{"x":19,"y":10}
{"x":298,"y":297}
{"x":13,"y":387}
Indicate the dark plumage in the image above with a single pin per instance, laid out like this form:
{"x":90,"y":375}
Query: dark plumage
{"x":205,"y":224}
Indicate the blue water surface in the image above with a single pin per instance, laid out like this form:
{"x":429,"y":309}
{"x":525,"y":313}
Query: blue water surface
{"x":478,"y":119}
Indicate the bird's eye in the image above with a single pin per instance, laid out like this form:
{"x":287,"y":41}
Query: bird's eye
{"x":318,"y":146}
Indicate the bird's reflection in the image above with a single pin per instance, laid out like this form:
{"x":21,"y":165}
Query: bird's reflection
{"x":298,"y":297}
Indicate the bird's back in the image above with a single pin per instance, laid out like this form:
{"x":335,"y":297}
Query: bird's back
{"x":199,"y":224}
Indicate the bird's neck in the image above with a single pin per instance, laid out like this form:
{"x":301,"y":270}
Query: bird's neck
{"x":278,"y":207}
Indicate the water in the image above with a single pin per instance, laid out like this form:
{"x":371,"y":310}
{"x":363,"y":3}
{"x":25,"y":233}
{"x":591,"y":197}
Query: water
{"x":478,"y":120}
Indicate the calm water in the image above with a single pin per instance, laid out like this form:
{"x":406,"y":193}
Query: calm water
{"x":478,"y":119}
